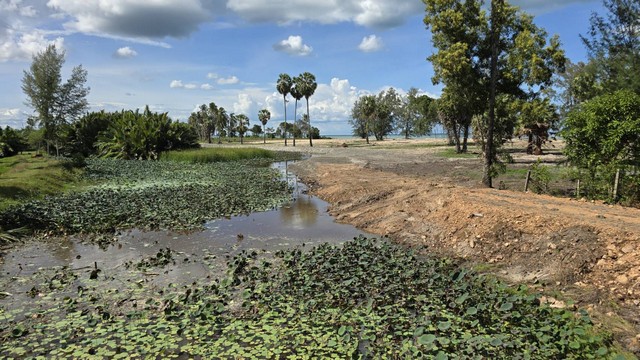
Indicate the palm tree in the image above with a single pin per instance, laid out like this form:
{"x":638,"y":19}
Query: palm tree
{"x":221,"y":121}
{"x":264,"y":115}
{"x":284,"y":87}
{"x":295,"y":92}
{"x":211,"y":121}
{"x":308,"y":86}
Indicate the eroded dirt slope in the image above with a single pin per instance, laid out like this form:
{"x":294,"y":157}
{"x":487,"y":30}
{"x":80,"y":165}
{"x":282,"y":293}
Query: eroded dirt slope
{"x":586,"y":251}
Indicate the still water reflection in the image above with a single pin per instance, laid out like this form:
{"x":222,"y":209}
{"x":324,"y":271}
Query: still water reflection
{"x":303,"y":221}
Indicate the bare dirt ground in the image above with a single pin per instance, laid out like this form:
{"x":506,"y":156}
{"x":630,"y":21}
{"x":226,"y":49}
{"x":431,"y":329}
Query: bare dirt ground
{"x":570,"y":250}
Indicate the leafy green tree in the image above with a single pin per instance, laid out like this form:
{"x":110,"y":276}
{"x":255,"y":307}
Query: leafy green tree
{"x":242,"y":125}
{"x":12,"y":142}
{"x":414,"y":117}
{"x":481,"y":57}
{"x":264,"y":116}
{"x":283,"y":86}
{"x":358,"y":120}
{"x":256,"y":130}
{"x":55,"y":103}
{"x":295,"y":92}
{"x":604,"y":132}
{"x":307,"y":86}
{"x":613,"y":43}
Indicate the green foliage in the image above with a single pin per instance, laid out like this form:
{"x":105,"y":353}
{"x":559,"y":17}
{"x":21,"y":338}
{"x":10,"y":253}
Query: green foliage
{"x":12,"y":142}
{"x":614,"y":46}
{"x":604,"y":132}
{"x":366,"y":299}
{"x":143,"y":136}
{"x":540,"y":178}
{"x":83,"y":134}
{"x":152,"y":195}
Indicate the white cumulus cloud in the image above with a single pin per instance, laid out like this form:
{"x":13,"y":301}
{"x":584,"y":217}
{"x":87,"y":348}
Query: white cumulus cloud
{"x":125,"y":53}
{"x":206,"y":87}
{"x":176,"y":84}
{"x":228,"y":81}
{"x":18,"y":45}
{"x":370,"y":43}
{"x":293,"y":46}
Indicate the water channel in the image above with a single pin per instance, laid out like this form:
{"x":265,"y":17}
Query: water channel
{"x":197,"y":255}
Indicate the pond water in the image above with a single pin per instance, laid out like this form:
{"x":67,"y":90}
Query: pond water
{"x":198,"y":255}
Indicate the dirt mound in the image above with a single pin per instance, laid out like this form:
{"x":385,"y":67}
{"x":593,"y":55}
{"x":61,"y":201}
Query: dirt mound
{"x":586,"y":251}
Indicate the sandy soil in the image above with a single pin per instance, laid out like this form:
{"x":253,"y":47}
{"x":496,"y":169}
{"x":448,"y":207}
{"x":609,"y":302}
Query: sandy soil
{"x":568,"y":249}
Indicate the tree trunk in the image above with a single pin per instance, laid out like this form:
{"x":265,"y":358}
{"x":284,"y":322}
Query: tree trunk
{"x":295,"y":120}
{"x":496,"y":5}
{"x":310,"y":131}
{"x":284,"y":101}
{"x":465,"y":138}
{"x":264,"y":137}
{"x":456,"y":138}
{"x":530,"y":143}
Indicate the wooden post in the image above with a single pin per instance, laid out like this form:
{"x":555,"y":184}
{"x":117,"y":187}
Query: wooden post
{"x":615,"y":186}
{"x":578,"y":190}
{"x":526,"y":181}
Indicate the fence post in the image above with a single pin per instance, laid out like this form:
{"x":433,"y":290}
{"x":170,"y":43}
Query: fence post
{"x":526,"y":182}
{"x":615,"y":186}
{"x":578,"y":190}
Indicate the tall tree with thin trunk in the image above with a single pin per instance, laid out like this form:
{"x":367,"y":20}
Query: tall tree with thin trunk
{"x":242,"y":125}
{"x":264,"y":115}
{"x":482,"y":57}
{"x":221,"y":122}
{"x":55,"y":103}
{"x":308,"y":86}
{"x":284,"y":87}
{"x":295,"y":92}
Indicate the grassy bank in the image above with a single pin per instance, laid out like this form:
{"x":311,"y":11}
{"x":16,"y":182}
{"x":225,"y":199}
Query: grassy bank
{"x":25,"y":177}
{"x":226,"y":154}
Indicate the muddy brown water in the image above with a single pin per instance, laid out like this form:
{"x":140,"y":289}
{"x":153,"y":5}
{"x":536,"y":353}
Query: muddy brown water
{"x":27,"y":271}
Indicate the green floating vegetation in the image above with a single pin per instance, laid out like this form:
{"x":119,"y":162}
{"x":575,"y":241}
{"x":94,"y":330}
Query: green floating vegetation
{"x":152,"y":195}
{"x":368,"y":299}
{"x":220,"y":154}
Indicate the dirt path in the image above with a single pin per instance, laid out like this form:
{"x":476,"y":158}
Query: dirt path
{"x":589,"y":252}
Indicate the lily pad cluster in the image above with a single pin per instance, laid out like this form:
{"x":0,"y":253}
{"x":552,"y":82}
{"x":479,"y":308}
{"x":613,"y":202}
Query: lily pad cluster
{"x":153,"y":195}
{"x":366,"y":299}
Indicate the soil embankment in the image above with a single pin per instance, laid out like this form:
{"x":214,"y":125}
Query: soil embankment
{"x":565,"y":248}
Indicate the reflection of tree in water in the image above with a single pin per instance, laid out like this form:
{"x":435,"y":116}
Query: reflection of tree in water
{"x":300,"y":213}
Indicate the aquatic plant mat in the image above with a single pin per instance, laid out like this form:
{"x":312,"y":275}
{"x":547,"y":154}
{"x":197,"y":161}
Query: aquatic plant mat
{"x":153,"y":195}
{"x":365,"y":299}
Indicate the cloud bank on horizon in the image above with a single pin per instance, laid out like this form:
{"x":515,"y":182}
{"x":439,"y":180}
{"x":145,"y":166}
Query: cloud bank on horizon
{"x":134,"y":27}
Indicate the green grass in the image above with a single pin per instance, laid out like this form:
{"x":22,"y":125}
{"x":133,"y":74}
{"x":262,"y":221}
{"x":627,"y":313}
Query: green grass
{"x":210,"y":155}
{"x":24,"y":177}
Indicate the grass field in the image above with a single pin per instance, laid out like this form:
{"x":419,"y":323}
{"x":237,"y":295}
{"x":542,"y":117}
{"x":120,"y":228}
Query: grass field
{"x":24,"y":177}
{"x":225,"y":154}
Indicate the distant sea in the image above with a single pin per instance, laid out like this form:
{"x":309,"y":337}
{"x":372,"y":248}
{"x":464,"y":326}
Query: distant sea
{"x":391,"y":136}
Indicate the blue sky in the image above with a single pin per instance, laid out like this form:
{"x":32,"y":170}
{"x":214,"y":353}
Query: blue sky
{"x":175,"y":55}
